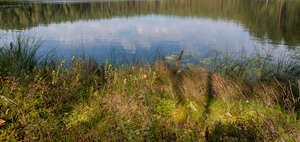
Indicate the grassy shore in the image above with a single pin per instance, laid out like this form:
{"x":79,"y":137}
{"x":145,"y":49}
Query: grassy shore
{"x":249,"y":99}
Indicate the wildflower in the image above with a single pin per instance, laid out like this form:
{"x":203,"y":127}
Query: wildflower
{"x":145,"y":76}
{"x":14,"y":86}
{"x":286,"y":100}
{"x":96,"y":93}
{"x":6,"y":112}
{"x":138,"y":133}
{"x":2,"y":122}
{"x":7,"y":82}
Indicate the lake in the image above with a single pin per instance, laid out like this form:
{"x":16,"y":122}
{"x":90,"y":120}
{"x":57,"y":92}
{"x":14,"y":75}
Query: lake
{"x":145,"y":29}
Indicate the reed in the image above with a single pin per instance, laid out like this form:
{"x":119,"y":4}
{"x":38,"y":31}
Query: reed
{"x":19,"y":56}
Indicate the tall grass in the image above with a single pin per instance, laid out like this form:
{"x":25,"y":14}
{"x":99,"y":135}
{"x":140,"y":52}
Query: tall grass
{"x":19,"y":56}
{"x":93,"y":102}
{"x":260,"y":66}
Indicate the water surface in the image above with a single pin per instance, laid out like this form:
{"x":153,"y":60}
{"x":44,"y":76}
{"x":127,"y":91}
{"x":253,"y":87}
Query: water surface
{"x":144,"y":29}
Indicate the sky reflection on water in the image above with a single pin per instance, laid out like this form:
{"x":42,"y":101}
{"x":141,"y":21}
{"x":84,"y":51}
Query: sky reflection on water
{"x":141,"y":34}
{"x":141,"y":29}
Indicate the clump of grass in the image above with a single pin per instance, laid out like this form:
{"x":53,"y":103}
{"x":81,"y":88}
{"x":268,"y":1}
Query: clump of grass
{"x":18,"y":57}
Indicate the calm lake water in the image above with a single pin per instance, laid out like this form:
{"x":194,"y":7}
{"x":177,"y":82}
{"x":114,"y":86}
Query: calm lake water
{"x":123,"y":30}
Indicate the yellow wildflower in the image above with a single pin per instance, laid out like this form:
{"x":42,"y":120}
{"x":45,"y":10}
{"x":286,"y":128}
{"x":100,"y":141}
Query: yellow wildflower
{"x":2,"y":122}
{"x":6,"y":112}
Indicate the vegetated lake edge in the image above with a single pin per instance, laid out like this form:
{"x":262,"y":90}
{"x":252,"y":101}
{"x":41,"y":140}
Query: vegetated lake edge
{"x":223,"y":99}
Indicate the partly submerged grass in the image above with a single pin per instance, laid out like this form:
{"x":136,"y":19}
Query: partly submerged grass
{"x":89,"y":102}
